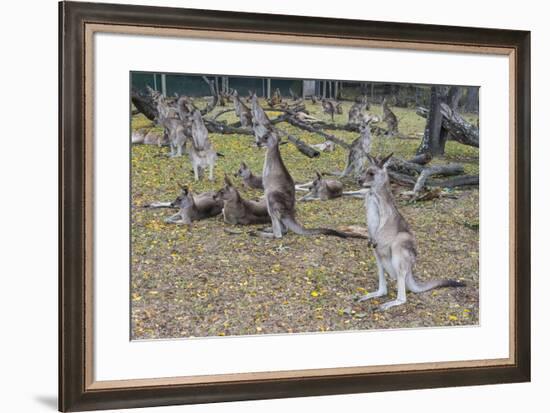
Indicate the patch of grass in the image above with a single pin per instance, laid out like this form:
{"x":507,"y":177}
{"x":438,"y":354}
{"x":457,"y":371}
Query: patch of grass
{"x":201,"y":281}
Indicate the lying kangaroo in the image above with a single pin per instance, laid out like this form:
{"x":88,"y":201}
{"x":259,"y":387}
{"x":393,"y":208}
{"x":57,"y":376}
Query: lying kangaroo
{"x":249,"y":179}
{"x":148,"y":137}
{"x":395,"y":250}
{"x":239,"y":211}
{"x":390,"y":118}
{"x":194,"y":208}
{"x":280,"y":194}
{"x":323,"y":189}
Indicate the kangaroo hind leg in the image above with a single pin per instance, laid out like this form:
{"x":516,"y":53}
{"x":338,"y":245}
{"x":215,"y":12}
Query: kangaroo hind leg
{"x":382,"y":285}
{"x":402,"y":263}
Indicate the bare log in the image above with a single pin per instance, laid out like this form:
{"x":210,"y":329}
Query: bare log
{"x":452,"y":169}
{"x":303,"y":147}
{"x":422,"y":159}
{"x":305,"y":126}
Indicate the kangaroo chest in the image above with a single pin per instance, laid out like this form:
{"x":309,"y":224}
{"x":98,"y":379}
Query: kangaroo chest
{"x":373,"y":214}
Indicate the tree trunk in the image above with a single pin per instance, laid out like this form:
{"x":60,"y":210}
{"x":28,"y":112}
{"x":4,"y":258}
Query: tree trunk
{"x":144,"y":104}
{"x":472,"y":99}
{"x":433,"y":140}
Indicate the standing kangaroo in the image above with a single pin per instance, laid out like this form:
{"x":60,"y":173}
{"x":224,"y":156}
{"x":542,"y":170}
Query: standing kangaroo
{"x":280,"y":195}
{"x":239,"y":211}
{"x":249,"y":179}
{"x":194,"y":208}
{"x":324,"y":189}
{"x":201,"y":153}
{"x":395,"y":250}
{"x":389,"y":117}
{"x":329,"y":108}
{"x":356,"y":113}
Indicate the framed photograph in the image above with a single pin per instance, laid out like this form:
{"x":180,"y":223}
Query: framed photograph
{"x":266,"y":206}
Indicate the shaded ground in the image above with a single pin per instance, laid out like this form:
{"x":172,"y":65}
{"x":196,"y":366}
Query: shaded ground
{"x":201,"y":281}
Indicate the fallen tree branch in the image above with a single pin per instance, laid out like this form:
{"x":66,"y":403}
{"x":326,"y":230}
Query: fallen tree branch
{"x":452,"y":169}
{"x":302,"y":125}
{"x":459,"y":129}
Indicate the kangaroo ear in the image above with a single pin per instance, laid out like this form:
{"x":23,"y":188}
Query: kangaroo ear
{"x":243,"y":165}
{"x":386,"y":159}
{"x":372,"y":160}
{"x":227,"y":180}
{"x":318,"y":174}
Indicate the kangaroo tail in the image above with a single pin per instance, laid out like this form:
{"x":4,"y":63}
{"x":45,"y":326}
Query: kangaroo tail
{"x":419,"y":287}
{"x":297,"y":228}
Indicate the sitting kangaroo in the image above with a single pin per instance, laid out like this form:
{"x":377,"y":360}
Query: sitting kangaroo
{"x":358,"y":152}
{"x":250,"y":180}
{"x":395,"y":250}
{"x":240,"y":211}
{"x":389,"y":117}
{"x":280,"y":195}
{"x":194,"y":208}
{"x":241,"y":110}
{"x":324,"y":189}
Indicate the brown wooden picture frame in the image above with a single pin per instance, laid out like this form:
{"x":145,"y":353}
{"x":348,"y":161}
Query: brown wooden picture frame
{"x":78,"y":22}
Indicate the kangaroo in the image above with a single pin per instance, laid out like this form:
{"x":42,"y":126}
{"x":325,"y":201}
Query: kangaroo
{"x":280,"y":195}
{"x":328,"y":107}
{"x":261,"y":124}
{"x":395,"y":249}
{"x":356,"y":113}
{"x":390,"y":118}
{"x":240,"y":211}
{"x":276,"y":99}
{"x":201,"y":152}
{"x":148,"y":137}
{"x":242,"y":112}
{"x":250,"y":180}
{"x":358,"y":152}
{"x":177,"y":133}
{"x":194,"y":208}
{"x":324,"y":189}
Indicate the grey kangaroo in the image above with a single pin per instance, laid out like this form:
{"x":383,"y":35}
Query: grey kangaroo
{"x":358,"y":152}
{"x":241,"y":110}
{"x":329,"y":108}
{"x":280,"y":195}
{"x":323,"y":189}
{"x":389,"y":117}
{"x":201,"y":153}
{"x":395,"y":250}
{"x":250,"y":180}
{"x":356,"y":113}
{"x":194,"y":208}
{"x":260,"y":122}
{"x":240,"y":211}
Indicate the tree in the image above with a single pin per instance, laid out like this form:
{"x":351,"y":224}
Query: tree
{"x":443,"y":103}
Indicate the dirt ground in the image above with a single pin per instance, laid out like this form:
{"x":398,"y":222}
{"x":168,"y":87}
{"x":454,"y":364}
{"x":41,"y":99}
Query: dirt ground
{"x":201,"y":281}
